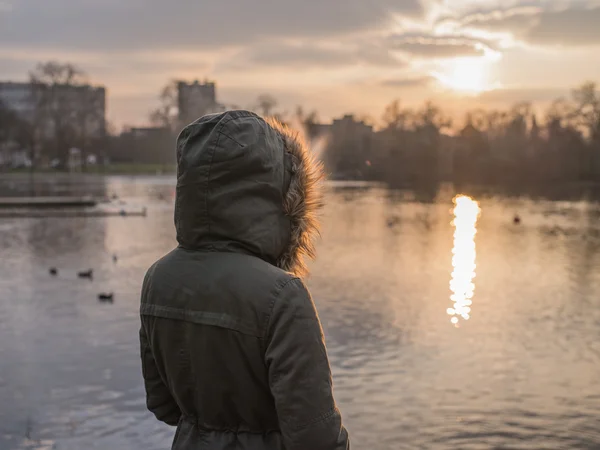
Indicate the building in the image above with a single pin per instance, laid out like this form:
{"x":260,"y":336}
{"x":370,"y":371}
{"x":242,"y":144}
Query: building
{"x":349,"y":151}
{"x":85,"y":104}
{"x":355,"y":133}
{"x":196,"y":100}
{"x":348,"y":124}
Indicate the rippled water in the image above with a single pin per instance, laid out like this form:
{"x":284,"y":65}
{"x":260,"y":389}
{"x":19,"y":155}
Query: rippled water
{"x":523,"y":372}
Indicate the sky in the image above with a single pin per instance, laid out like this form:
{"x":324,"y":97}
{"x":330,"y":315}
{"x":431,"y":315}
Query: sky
{"x":334,"y":56}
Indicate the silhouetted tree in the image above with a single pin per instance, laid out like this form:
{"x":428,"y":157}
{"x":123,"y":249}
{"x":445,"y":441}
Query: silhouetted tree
{"x":266,"y":104}
{"x":166,"y":114}
{"x":12,"y":127}
{"x":64,"y":107}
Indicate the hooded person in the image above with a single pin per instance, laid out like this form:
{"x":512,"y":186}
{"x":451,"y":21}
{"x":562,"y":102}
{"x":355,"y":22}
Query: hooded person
{"x":232,"y":348}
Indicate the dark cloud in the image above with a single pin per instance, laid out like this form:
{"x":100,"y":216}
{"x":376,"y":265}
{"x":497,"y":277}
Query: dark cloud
{"x":574,"y":26}
{"x":529,"y":94}
{"x":313,"y":55}
{"x":150,"y":24}
{"x":131,"y":67}
{"x":382,"y":51}
{"x":430,"y":46}
{"x":408,"y":82}
{"x":439,"y":50}
{"x":578,"y":27}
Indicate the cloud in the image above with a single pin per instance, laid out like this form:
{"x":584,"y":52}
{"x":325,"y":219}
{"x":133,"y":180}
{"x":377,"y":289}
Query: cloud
{"x":513,"y":19}
{"x":152,"y":24}
{"x":523,"y":94}
{"x":391,"y":51}
{"x":119,"y":70}
{"x":310,"y":55}
{"x":5,"y":7}
{"x":438,"y":47}
{"x":408,"y":82}
{"x":577,"y":27}
{"x":439,"y":50}
{"x":573,"y":26}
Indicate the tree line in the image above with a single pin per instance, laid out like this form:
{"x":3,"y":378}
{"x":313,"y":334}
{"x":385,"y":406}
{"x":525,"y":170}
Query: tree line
{"x":405,"y":147}
{"x":61,"y":111}
{"x":516,"y":146}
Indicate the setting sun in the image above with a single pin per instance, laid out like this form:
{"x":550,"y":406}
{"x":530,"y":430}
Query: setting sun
{"x":465,"y":75}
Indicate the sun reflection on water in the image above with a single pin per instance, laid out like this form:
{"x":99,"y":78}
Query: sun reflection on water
{"x":466,"y":211}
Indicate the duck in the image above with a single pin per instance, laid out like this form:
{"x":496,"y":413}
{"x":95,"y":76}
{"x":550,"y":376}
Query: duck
{"x":53,"y":271}
{"x":516,"y":219}
{"x":106,"y":297}
{"x":86,"y":274}
{"x":115,"y":258}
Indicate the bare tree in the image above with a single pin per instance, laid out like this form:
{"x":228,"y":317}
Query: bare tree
{"x":10,"y":124}
{"x":587,"y":109}
{"x":89,"y":121}
{"x":431,"y":116}
{"x":477,"y":119}
{"x":560,"y":109}
{"x":397,"y":118}
{"x":56,"y":104}
{"x":166,"y":115}
{"x":266,"y":104}
{"x":308,"y":122}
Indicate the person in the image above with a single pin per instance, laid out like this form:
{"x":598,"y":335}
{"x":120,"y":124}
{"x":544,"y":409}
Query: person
{"x":232,"y":348}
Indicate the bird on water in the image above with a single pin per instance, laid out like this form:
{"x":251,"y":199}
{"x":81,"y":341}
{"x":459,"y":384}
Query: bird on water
{"x":106,"y":297}
{"x":86,"y":274}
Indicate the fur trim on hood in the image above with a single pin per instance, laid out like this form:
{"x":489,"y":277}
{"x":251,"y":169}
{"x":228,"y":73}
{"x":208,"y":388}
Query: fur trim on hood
{"x":302,"y":200}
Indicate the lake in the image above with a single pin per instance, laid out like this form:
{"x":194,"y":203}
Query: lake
{"x":520,"y":368}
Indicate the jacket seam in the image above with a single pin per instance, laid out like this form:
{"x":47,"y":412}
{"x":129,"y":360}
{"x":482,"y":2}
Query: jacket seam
{"x":212,"y":157}
{"x":272,"y":305}
{"x":316,"y":420}
{"x":199,"y":317}
{"x":231,"y":138}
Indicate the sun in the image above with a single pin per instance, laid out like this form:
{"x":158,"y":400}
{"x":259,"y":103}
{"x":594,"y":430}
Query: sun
{"x":468,"y":75}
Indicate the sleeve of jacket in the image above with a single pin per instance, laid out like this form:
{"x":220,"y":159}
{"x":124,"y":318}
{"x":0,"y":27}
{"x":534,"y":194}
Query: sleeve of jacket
{"x":300,"y":375}
{"x":158,"y":397}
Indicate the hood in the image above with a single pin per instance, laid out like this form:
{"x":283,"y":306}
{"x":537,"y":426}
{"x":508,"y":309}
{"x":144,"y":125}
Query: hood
{"x":249,"y":185}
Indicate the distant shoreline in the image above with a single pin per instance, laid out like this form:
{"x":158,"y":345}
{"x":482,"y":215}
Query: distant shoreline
{"x":573,"y":190}
{"x":111,"y":169}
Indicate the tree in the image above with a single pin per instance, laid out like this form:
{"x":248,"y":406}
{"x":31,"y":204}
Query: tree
{"x":308,"y":122}
{"x":265,"y":105}
{"x":54,"y":88}
{"x":587,"y":119}
{"x":477,"y":119}
{"x":10,"y":124}
{"x":89,"y":121}
{"x":366,"y":119}
{"x":166,"y":115}
{"x":396,"y":118}
{"x":431,"y":116}
{"x":587,"y":109}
